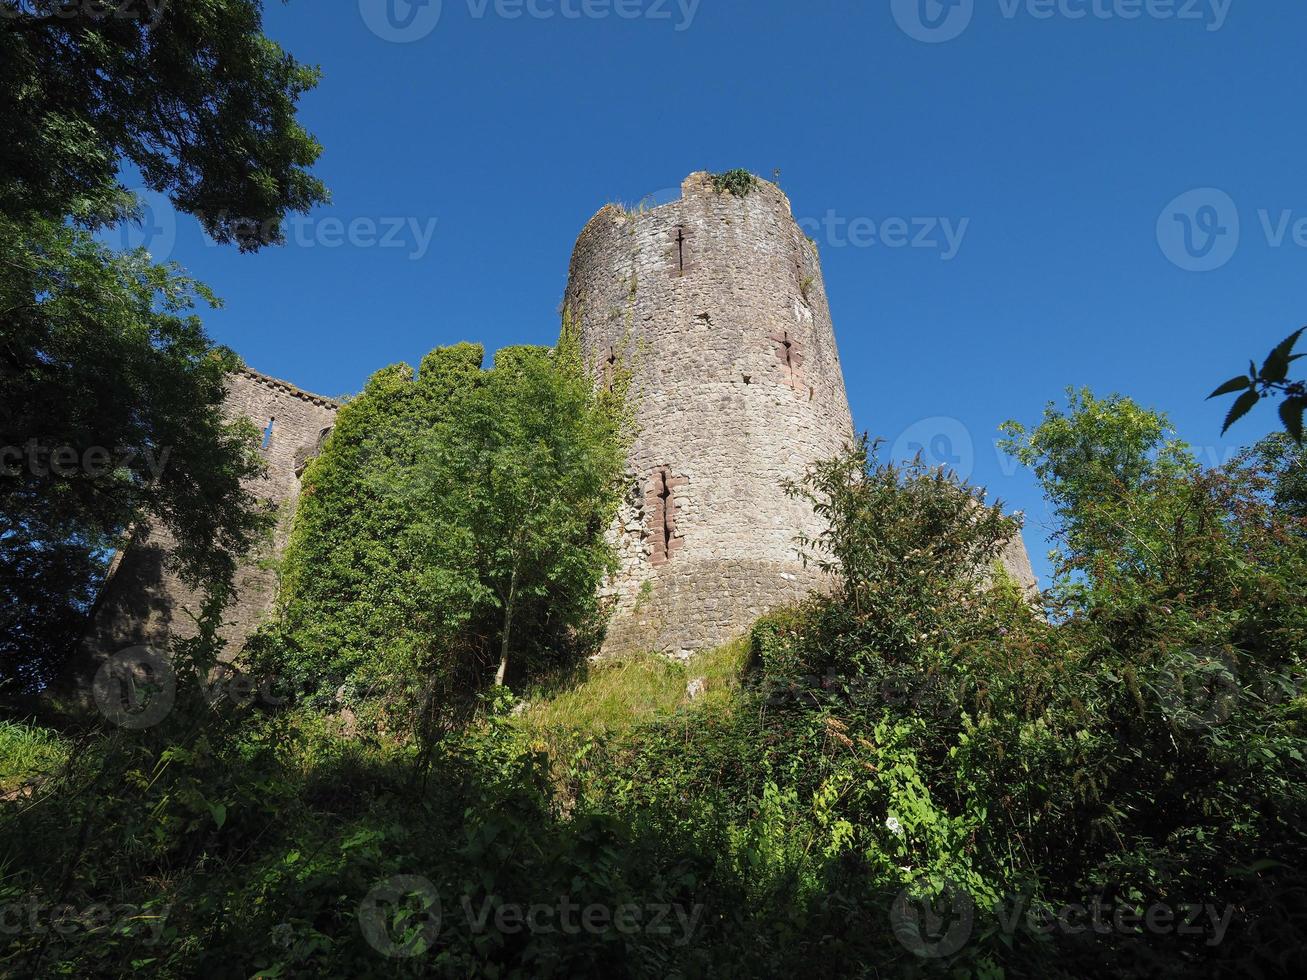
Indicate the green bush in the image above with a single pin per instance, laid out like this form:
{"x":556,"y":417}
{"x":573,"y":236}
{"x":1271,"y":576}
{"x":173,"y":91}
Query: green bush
{"x":923,"y":735}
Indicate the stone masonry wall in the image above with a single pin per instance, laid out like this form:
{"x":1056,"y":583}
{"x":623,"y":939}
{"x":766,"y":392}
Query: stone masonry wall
{"x":717,"y":305}
{"x":145,"y":602}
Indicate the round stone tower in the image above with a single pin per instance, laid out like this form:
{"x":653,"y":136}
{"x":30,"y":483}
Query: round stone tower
{"x":716,"y":305}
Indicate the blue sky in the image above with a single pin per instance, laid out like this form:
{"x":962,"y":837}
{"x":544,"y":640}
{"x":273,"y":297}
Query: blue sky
{"x":1043,"y":156}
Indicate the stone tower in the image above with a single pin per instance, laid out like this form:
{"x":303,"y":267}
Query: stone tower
{"x":717,"y":305}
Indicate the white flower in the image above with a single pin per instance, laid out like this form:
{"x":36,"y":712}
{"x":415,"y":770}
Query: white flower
{"x":894,"y":826}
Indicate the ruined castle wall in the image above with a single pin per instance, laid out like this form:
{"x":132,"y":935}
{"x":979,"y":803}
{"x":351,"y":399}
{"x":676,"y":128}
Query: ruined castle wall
{"x":144,"y":600}
{"x":717,"y":304}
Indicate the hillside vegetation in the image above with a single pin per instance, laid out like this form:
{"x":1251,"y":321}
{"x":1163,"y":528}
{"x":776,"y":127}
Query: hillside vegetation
{"x":924,"y":773}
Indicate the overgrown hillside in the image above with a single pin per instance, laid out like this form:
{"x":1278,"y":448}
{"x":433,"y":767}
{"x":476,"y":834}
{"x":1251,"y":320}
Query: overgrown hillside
{"x":925,"y":773}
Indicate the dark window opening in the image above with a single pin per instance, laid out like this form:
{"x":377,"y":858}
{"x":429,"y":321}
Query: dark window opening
{"x":668,"y":511}
{"x":610,"y":368}
{"x":680,"y":249}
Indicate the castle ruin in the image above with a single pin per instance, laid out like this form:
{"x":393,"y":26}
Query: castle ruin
{"x":145,"y":602}
{"x":716,"y":306}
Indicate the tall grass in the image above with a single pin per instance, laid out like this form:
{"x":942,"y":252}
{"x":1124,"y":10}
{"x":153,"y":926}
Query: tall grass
{"x":611,"y":696}
{"x":26,"y":753}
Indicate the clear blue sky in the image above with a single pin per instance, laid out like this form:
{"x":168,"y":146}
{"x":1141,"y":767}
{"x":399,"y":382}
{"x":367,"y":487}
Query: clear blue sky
{"x":1053,"y":143}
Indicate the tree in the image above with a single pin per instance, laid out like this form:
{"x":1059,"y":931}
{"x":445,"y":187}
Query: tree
{"x":111,"y":411}
{"x":1093,"y":460}
{"x":524,"y":480}
{"x":1273,"y":377}
{"x":193,"y":94}
{"x":910,"y":546}
{"x":103,"y":361}
{"x":454,"y":527}
{"x":1154,"y":545}
{"x":354,"y":592}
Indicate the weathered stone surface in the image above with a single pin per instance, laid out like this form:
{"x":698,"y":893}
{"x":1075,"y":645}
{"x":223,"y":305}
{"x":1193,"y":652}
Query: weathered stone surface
{"x":718,"y":306}
{"x":145,"y":602}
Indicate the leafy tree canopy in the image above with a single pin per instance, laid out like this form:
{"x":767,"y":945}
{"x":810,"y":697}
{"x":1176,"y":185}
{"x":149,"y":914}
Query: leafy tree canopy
{"x":193,"y":94}
{"x":455,"y":519}
{"x":111,"y":410}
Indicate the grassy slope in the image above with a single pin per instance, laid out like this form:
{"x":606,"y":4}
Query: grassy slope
{"x":612,"y":696}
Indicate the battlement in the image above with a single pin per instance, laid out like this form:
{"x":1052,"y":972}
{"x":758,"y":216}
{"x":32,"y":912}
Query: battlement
{"x":286,"y":387}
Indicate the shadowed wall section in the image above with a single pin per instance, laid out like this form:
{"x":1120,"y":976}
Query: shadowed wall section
{"x":145,"y":602}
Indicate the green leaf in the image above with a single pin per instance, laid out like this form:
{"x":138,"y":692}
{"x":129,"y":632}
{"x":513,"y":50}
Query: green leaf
{"x":1277,"y":362}
{"x":1239,"y":409}
{"x":219,"y":812}
{"x":1234,"y":384}
{"x":1291,"y":415}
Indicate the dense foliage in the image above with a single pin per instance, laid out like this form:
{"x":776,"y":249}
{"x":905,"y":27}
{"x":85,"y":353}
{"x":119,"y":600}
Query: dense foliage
{"x":453,"y":525}
{"x":109,"y":412}
{"x":108,"y":407}
{"x":919,"y":774}
{"x":192,"y":94}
